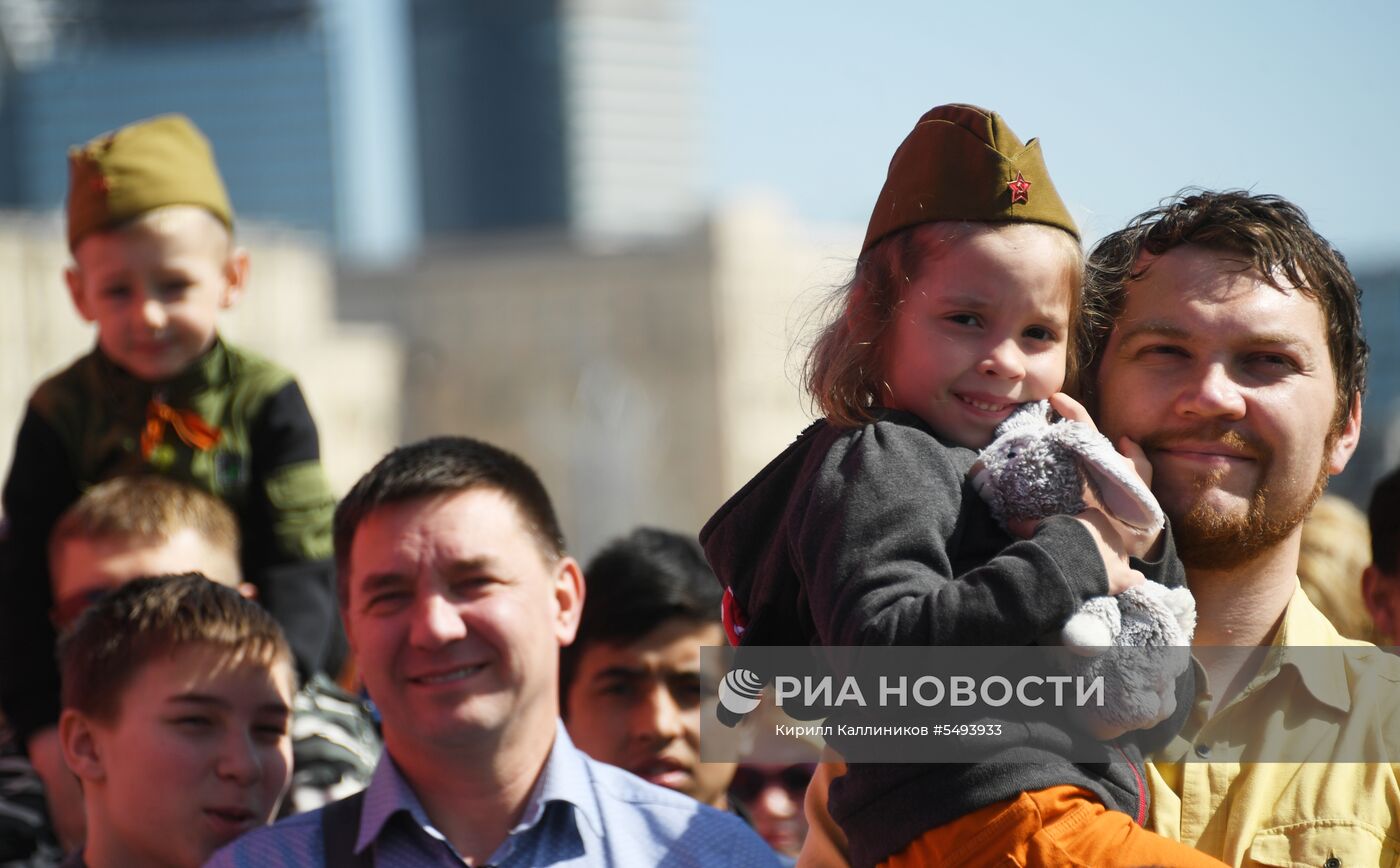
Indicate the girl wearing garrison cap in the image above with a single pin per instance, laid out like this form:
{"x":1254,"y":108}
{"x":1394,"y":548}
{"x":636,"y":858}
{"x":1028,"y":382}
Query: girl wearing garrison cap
{"x":964,"y":305}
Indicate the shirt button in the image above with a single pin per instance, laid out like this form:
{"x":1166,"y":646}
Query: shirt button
{"x":1203,"y":751}
{"x":1332,"y":862}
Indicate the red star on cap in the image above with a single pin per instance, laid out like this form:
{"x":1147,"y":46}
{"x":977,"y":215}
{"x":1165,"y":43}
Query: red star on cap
{"x":1020,"y":189}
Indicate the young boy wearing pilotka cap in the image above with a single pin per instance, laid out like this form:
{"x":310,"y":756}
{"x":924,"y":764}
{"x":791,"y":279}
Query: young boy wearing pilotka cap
{"x":150,"y":228}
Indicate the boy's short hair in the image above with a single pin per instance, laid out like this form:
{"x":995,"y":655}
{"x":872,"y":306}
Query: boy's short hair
{"x":635,"y":584}
{"x":146,"y":507}
{"x":150,"y":617}
{"x":445,"y":465}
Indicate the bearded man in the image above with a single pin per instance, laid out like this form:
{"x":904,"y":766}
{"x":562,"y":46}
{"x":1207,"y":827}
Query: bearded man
{"x":1227,"y":343}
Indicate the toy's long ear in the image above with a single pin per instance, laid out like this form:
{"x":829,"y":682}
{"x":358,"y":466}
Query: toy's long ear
{"x":1121,"y":490}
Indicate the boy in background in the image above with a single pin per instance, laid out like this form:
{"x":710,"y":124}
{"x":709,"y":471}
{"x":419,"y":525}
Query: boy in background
{"x":630,"y":682}
{"x":176,"y":712}
{"x":136,"y":526}
{"x":150,"y":230}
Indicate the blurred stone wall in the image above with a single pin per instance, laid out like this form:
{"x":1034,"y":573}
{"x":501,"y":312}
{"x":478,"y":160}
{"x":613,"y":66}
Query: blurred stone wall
{"x":644,"y":383}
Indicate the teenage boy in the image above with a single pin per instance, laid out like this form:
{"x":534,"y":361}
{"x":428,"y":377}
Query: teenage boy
{"x":135,"y":526}
{"x":630,"y":682}
{"x":177,"y":699}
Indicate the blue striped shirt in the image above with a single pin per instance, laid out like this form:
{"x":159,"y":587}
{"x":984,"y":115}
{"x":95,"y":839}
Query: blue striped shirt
{"x":580,"y":813}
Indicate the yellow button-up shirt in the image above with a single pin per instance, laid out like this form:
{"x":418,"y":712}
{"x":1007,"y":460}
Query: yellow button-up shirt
{"x":1332,"y":812}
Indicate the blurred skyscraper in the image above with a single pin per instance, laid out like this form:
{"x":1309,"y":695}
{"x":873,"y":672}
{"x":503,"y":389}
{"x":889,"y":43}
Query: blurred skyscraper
{"x":572,"y":114}
{"x":377,"y":122}
{"x":252,"y":74}
{"x":632,"y":117}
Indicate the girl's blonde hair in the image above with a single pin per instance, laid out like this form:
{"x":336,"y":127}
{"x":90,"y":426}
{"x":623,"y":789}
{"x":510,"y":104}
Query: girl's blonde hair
{"x":845,"y":369}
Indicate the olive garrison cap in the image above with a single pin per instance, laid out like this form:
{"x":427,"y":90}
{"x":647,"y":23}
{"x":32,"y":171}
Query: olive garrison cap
{"x":146,"y":165}
{"x":962,"y":162}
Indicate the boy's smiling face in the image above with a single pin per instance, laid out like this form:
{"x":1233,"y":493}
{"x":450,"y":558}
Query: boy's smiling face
{"x":198,"y":754}
{"x":155,"y":288}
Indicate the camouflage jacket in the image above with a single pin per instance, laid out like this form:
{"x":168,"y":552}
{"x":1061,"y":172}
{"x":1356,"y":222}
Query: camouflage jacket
{"x":85,"y":425}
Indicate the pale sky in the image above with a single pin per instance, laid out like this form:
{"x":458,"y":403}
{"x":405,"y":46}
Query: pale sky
{"x":1131,"y":100}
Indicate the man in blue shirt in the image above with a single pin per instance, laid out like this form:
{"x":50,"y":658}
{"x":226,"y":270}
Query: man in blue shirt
{"x":457,"y":595}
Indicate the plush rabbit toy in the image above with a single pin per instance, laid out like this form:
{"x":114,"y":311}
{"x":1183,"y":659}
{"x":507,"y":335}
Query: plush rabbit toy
{"x":1139,"y":640}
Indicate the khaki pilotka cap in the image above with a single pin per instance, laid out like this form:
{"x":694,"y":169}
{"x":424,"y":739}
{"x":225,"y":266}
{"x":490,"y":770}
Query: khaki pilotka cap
{"x":143,"y":166}
{"x":962,"y":162}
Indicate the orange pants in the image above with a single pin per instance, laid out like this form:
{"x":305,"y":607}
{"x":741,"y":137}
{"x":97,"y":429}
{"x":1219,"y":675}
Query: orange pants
{"x":1057,"y":827}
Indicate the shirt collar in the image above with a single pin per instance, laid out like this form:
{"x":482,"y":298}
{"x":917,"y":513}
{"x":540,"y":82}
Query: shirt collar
{"x":1305,"y":628}
{"x":388,"y":794}
{"x":565,"y":777}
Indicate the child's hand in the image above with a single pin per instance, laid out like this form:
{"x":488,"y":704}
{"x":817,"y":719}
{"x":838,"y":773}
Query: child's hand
{"x":1110,"y":543}
{"x":1132,"y":454}
{"x":1136,"y":542}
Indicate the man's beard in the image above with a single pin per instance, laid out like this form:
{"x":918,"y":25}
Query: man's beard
{"x":1207,"y":538}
